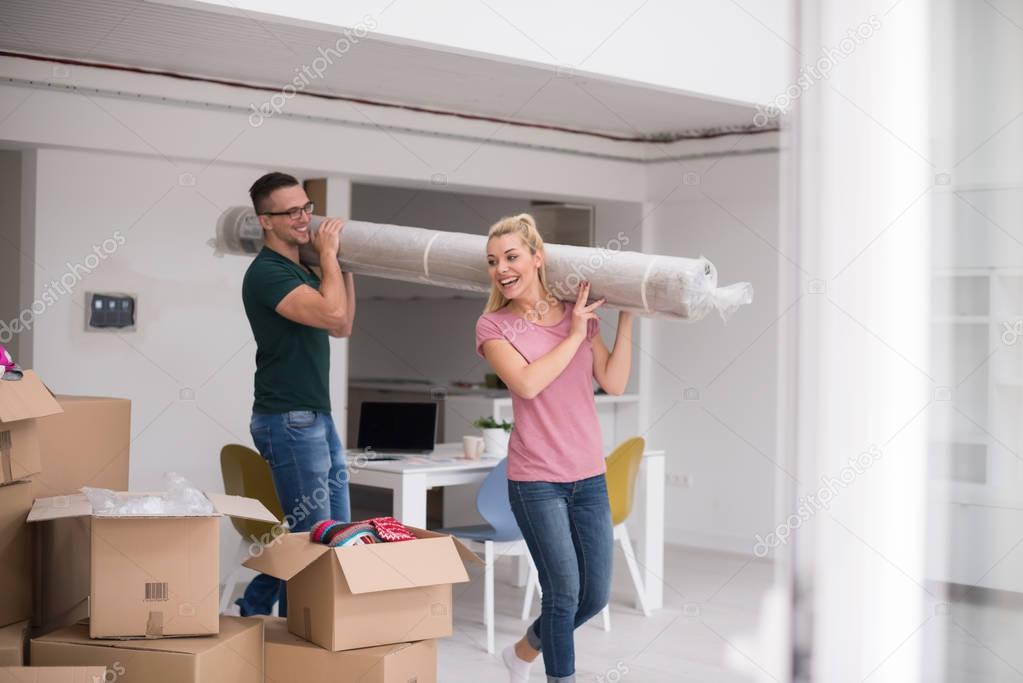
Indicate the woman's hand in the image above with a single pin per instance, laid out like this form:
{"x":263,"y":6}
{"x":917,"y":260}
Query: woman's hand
{"x":582,"y":314}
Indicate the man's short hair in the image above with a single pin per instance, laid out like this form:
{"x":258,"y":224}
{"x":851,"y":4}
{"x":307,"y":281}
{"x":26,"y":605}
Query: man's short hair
{"x":262,"y":189}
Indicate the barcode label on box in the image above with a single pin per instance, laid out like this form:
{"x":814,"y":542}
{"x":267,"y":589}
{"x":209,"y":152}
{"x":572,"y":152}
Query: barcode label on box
{"x":156,"y":591}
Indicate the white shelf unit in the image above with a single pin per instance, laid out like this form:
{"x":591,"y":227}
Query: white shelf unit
{"x":976,"y":444}
{"x":978,"y":356}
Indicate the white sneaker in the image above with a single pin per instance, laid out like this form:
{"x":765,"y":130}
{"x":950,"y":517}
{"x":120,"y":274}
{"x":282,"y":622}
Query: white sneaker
{"x":518,"y":669}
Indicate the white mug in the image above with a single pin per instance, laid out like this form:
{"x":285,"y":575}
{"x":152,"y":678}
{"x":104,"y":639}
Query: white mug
{"x":472,"y":447}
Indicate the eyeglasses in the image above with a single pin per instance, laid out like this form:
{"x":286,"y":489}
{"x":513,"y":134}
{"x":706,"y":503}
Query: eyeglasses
{"x":295,"y":212}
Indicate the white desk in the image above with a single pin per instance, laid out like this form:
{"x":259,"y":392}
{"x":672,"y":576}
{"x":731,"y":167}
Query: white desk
{"x":412,"y":476}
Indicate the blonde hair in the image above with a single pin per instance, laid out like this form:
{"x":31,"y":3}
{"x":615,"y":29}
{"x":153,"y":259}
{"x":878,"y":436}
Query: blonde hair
{"x":524,"y":226}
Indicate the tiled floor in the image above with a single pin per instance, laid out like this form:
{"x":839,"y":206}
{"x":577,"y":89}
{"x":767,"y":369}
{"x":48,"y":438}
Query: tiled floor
{"x":710,"y":598}
{"x":712,"y":601}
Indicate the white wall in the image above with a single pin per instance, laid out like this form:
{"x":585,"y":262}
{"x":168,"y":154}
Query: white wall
{"x":667,"y":43}
{"x":12,"y":258}
{"x":723,"y":436}
{"x":188,"y":368}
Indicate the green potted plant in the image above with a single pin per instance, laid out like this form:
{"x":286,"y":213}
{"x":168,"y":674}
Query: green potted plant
{"x":495,"y":435}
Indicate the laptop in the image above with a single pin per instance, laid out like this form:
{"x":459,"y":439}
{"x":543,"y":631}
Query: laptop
{"x":386,"y":427}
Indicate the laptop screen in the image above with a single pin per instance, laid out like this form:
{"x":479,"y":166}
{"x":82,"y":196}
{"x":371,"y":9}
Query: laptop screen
{"x":385,"y":426}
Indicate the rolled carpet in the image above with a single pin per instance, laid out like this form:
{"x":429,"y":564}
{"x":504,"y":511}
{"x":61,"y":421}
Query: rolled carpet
{"x":650,"y":285}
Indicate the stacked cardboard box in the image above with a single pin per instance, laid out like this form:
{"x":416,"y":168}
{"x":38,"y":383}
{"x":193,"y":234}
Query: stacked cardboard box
{"x":234,"y":655}
{"x":149,"y":585}
{"x":16,"y":551}
{"x":154,"y":597}
{"x":377,"y":607}
{"x":53,"y":445}
{"x":153,"y":576}
{"x":22,"y":404}
{"x":53,"y":674}
{"x":86,"y":444}
{"x":50,"y":447}
{"x":290,"y":659}
{"x":13,"y":642}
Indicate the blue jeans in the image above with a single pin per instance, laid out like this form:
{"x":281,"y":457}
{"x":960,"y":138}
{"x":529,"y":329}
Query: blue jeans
{"x":309,"y":472}
{"x":567,"y":528}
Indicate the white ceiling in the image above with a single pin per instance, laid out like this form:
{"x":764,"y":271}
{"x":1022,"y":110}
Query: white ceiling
{"x":254,"y":50}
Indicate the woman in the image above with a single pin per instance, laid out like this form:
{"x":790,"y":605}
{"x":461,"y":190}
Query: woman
{"x":548,"y":352}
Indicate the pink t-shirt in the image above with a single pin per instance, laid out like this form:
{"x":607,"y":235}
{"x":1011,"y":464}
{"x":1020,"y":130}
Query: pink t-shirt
{"x":556,"y":436}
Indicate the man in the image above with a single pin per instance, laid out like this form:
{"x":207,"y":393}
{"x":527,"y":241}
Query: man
{"x":292,"y":311}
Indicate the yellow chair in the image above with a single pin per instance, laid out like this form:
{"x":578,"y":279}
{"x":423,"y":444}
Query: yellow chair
{"x":246,"y":473}
{"x":622,"y":470}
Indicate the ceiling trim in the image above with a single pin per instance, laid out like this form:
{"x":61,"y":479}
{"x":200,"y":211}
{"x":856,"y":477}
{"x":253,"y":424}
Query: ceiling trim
{"x":651,"y":139}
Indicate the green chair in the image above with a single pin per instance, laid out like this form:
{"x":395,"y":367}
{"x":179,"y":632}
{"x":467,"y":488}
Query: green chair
{"x":246,"y":473}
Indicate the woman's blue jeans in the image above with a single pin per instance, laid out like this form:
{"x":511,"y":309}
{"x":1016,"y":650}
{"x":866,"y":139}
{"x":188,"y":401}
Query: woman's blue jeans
{"x":567,"y":528}
{"x":307,"y":462}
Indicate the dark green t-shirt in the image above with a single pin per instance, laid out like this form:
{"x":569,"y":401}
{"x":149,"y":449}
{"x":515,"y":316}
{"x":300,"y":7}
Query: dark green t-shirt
{"x":292,"y":360}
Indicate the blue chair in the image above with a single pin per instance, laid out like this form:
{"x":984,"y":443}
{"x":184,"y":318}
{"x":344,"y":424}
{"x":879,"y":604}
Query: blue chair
{"x":498,"y":537}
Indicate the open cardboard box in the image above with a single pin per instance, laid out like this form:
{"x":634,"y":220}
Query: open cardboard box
{"x":366,"y":595}
{"x":153,"y":577}
{"x":21,"y":403}
{"x":85,"y":445}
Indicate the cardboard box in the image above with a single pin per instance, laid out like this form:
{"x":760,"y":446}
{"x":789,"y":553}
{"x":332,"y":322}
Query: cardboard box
{"x":153,"y":577}
{"x":367,"y":595}
{"x":60,"y":583}
{"x":21,"y":402}
{"x":290,"y":659}
{"x":52,"y":674}
{"x":85,"y":445}
{"x":233,"y":656}
{"x":15,"y":552}
{"x":13,"y":641}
